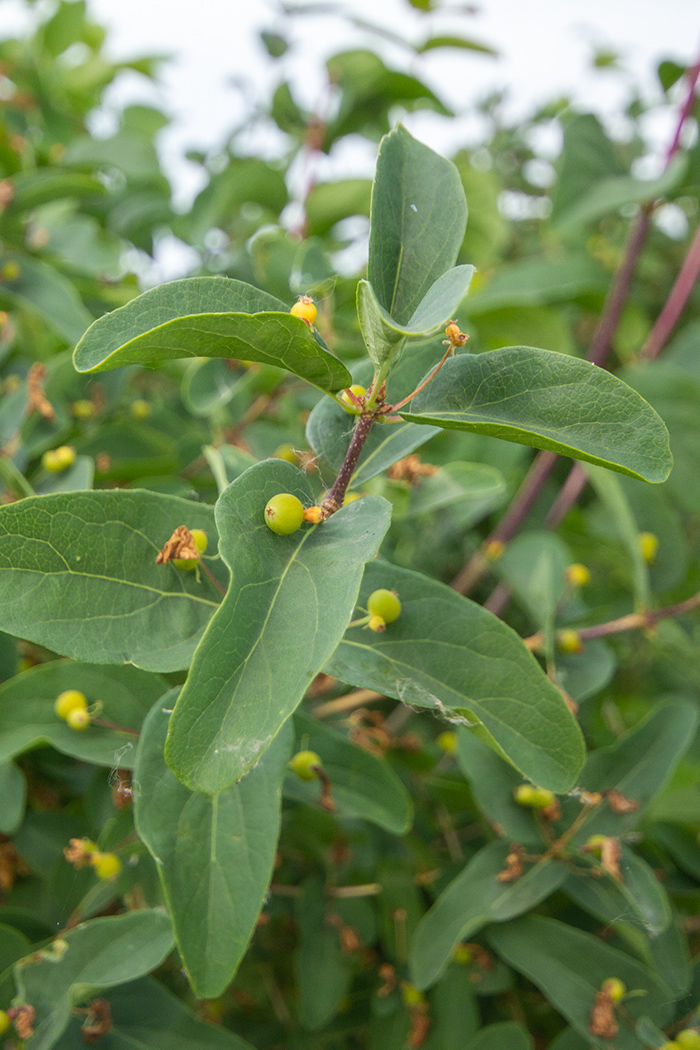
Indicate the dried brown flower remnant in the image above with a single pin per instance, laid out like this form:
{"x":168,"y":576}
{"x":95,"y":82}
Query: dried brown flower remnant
{"x":180,"y":545}
{"x":388,"y":976}
{"x":347,"y":935}
{"x":98,"y":1021}
{"x":610,"y":854}
{"x":411,"y":469}
{"x":36,"y":398}
{"x":79,"y":852}
{"x":603,"y":1021}
{"x":11,"y":864}
{"x":514,"y":865}
{"x":420,"y":1023}
{"x":23,"y":1019}
{"x":619,"y":804}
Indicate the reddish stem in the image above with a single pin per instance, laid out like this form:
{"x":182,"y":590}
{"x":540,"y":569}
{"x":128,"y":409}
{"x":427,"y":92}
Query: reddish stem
{"x":673,"y":307}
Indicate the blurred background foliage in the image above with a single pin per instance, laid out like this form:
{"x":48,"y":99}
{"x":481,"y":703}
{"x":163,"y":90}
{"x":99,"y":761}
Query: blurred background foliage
{"x":82,"y":221}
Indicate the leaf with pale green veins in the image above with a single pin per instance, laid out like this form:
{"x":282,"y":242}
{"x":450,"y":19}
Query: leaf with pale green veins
{"x":208,"y":317}
{"x":449,"y":654}
{"x":95,"y":955}
{"x":78,"y":574}
{"x":417,"y":222}
{"x":290,"y":600}
{"x":550,"y":401}
{"x":569,"y":966}
{"x":474,"y":899}
{"x":28,"y":719}
{"x":214,"y":853}
{"x":363,"y":785}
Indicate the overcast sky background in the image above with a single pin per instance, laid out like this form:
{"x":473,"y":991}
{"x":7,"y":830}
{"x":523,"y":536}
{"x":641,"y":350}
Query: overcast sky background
{"x":545,"y":49}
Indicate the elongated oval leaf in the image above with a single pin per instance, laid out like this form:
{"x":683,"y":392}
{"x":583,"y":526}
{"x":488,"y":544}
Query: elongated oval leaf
{"x":214,"y":852}
{"x":472,"y":900}
{"x":78,"y":574}
{"x":28,"y":719}
{"x":548,"y":400}
{"x":570,"y":966}
{"x":447,"y":653}
{"x":208,"y":317}
{"x":417,"y":222}
{"x":95,"y":955}
{"x":363,"y":785}
{"x":289,"y":602}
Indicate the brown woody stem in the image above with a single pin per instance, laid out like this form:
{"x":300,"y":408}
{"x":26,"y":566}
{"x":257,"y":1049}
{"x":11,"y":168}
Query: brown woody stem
{"x":334,"y":499}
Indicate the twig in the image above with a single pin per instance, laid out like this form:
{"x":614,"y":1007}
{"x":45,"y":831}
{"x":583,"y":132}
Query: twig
{"x":631,"y":622}
{"x":334,"y":499}
{"x":428,"y":379}
{"x":211,"y":576}
{"x":358,"y":698}
{"x":673,"y":307}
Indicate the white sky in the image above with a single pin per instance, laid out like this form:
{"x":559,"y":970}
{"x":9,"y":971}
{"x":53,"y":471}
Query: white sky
{"x":545,"y":49}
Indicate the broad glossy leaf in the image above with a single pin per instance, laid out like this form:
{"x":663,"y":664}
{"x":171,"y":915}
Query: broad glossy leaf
{"x":146,"y":1015}
{"x":78,"y":574}
{"x":508,"y":1034}
{"x":363,"y":785}
{"x":569,"y":966}
{"x":28,"y":720}
{"x":418,"y":219}
{"x":214,"y":853}
{"x":548,"y":400}
{"x":321,"y":969}
{"x":289,"y":602}
{"x":208,"y":317}
{"x":584,"y":674}
{"x":451,"y":655}
{"x":95,"y":955}
{"x":457,"y":484}
{"x":13,"y":795}
{"x":638,"y":897}
{"x":471,"y":901}
{"x":329,"y":428}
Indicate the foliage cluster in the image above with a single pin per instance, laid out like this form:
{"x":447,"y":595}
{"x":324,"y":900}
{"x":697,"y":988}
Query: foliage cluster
{"x":249,"y":797}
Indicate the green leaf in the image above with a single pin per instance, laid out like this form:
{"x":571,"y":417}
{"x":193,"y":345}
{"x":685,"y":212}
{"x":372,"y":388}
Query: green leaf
{"x":536,"y":282}
{"x":463,"y":43}
{"x":587,"y":158}
{"x":330,"y":202}
{"x":449,"y":654}
{"x":418,"y":219}
{"x":214,"y":853}
{"x":455,"y":484}
{"x":612,"y":495}
{"x":322,"y":972}
{"x":44,"y":291}
{"x":28,"y":720}
{"x":86,"y":959}
{"x":498,"y":1036}
{"x":329,"y":427}
{"x":78,"y":574}
{"x":569,"y":966}
{"x":614,"y":193}
{"x":13,"y":795}
{"x":471,"y":901}
{"x":289,"y":602}
{"x":43,"y":185}
{"x":453,"y":1011}
{"x":533,"y":566}
{"x":208,"y":317}
{"x":548,"y":400}
{"x":362,"y":784}
{"x":144,"y":1014}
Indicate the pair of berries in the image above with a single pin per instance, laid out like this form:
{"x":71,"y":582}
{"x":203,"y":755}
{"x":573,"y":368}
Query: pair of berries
{"x":384,"y":607}
{"x":72,"y":707}
{"x":56,"y":460}
{"x":533,"y":797}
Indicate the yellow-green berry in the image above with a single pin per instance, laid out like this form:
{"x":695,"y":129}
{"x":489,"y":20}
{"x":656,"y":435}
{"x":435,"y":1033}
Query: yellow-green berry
{"x":305,"y":310}
{"x":83,"y":409}
{"x":569,"y":641}
{"x":106,"y":865}
{"x":287,"y":453}
{"x":200,"y":541}
{"x":595,"y":844}
{"x":10,"y":271}
{"x":347,"y":402}
{"x":70,"y":700}
{"x":78,"y":719}
{"x":59,"y":459}
{"x":649,"y":546}
{"x":689,"y":1039}
{"x":462,"y":955}
{"x":284,"y":513}
{"x":411,"y":995}
{"x":4,"y":1022}
{"x":615,"y":988}
{"x":578,"y":575}
{"x":384,"y":603}
{"x":533,"y":797}
{"x":140,"y":409}
{"x":494,"y":549}
{"x":377,"y":624}
{"x":305,"y":764}
{"x":447,"y":742}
